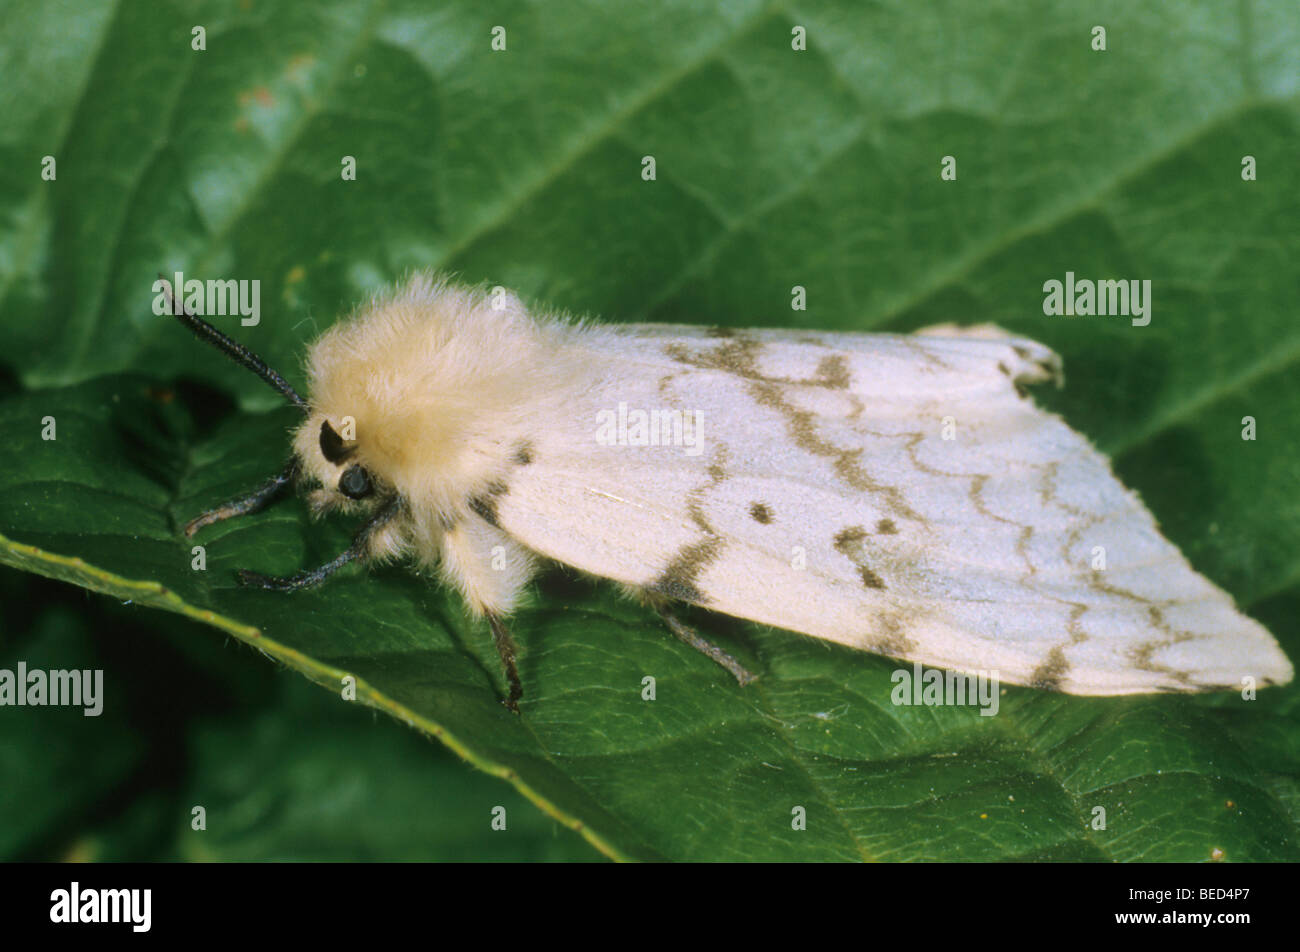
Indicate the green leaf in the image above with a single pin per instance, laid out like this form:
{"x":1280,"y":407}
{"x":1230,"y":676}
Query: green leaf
{"x":322,"y":785}
{"x":281,"y":770}
{"x":775,"y":168}
{"x":57,"y":762}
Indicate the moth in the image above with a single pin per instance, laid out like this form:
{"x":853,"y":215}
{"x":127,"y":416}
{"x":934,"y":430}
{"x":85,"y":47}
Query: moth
{"x":900,"y":494}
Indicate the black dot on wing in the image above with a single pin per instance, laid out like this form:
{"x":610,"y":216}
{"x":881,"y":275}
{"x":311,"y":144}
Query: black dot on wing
{"x":869,"y":578}
{"x":484,"y":505}
{"x":846,"y":538}
{"x":886,"y":527}
{"x":524,"y":453}
{"x":760,"y":512}
{"x":485,"y":508}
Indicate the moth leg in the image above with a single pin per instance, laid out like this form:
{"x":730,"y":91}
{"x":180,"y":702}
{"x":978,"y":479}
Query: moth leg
{"x":359,"y":548}
{"x":701,"y":644}
{"x":507,"y":648}
{"x":490,"y":570}
{"x":256,"y":501}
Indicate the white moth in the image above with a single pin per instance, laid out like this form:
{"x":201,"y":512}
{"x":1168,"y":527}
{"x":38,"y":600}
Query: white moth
{"x":895,"y":493}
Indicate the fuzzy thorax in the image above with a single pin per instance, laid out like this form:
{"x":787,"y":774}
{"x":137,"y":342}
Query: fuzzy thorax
{"x":434,"y":389}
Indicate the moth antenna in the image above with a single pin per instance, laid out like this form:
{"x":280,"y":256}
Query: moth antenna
{"x":231,"y":348}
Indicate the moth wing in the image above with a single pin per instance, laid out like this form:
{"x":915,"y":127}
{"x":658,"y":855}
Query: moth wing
{"x":899,"y":494}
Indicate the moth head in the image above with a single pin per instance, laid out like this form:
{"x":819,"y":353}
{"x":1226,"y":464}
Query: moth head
{"x":331,"y":455}
{"x":326,"y":446}
{"x":419,"y":394}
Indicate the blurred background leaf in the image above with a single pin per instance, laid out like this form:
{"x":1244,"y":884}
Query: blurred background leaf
{"x":775,"y":168}
{"x":282,"y":770}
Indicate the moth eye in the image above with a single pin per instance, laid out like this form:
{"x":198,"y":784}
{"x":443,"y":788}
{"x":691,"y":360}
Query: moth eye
{"x":355,"y":483}
{"x":332,"y":446}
